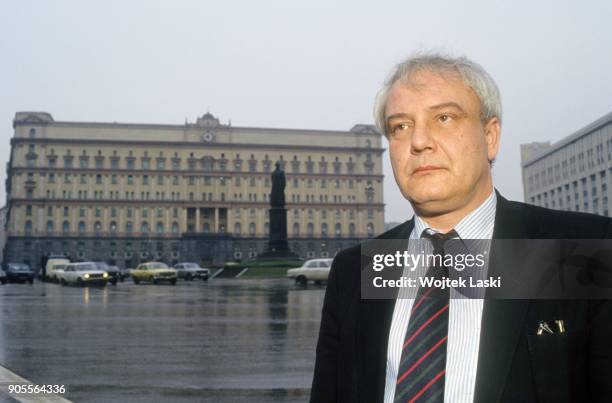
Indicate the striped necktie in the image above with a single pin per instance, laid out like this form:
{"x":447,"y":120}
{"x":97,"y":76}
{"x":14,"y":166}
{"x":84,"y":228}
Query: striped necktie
{"x":423,"y":360}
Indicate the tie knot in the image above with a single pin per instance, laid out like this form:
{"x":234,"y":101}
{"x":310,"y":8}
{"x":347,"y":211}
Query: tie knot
{"x":437,"y":238}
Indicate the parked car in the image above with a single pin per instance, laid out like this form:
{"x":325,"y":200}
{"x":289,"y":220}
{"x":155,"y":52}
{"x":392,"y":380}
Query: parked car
{"x":83,"y":273}
{"x":113,"y":272}
{"x":154,"y":272}
{"x":19,"y":272}
{"x":189,"y":271}
{"x":316,"y":270}
{"x":55,"y":265}
{"x":3,"y":278}
{"x":123,"y":273}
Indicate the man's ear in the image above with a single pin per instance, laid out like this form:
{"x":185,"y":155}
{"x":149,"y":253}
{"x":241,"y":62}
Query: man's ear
{"x":492,"y":131}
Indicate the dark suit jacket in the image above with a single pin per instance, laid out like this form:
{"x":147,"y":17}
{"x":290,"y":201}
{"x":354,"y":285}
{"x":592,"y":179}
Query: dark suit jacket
{"x":514,"y":365}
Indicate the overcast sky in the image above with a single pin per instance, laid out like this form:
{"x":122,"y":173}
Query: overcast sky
{"x":311,"y":64}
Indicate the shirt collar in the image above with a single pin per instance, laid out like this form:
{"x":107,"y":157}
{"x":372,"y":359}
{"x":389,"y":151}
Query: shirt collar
{"x":476,"y":225}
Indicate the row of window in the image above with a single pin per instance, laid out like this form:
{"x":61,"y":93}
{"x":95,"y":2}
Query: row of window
{"x":191,"y":180}
{"x":160,"y":228}
{"x":565,"y":169}
{"x":159,"y":212}
{"x":205,"y":163}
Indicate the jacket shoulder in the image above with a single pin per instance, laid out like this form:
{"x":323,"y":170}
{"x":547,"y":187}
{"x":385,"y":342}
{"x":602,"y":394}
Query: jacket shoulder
{"x":545,"y":222}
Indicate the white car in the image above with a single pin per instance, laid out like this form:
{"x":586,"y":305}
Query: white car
{"x":83,"y":273}
{"x":189,"y":271}
{"x":316,"y":270}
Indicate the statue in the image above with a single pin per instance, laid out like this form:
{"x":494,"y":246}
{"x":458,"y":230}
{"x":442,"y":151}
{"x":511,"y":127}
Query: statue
{"x":277,"y":197}
{"x":278,"y":247}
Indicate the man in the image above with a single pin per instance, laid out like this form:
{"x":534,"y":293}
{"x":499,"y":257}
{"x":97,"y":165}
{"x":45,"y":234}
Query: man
{"x":442,"y":118}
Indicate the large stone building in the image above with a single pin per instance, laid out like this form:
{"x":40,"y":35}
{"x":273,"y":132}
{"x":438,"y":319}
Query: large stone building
{"x":572,"y":174}
{"x":199,"y":191}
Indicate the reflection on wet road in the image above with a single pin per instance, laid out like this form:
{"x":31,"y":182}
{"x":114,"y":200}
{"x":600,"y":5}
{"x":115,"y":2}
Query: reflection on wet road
{"x":226,"y":340}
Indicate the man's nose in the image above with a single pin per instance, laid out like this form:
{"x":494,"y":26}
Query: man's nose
{"x":422,"y":138}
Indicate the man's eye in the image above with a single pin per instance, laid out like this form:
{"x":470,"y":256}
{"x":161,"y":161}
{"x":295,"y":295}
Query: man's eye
{"x":400,"y":127}
{"x":444,"y":118}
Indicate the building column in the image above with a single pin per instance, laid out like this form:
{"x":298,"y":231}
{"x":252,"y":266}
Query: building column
{"x":197,"y":223}
{"x":216,"y":221}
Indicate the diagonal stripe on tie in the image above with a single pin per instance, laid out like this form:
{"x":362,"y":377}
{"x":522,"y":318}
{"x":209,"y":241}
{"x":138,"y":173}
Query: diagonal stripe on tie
{"x":422,"y":358}
{"x":424,"y":325}
{"x":410,"y":388}
{"x":423,"y":345}
{"x":428,"y":385}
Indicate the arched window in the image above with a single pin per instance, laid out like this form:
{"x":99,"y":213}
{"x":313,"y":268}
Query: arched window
{"x":338,"y":229}
{"x":296,"y":229}
{"x":324,"y":229}
{"x":65,"y":227}
{"x":49,"y":227}
{"x":206,"y":228}
{"x":98,"y":227}
{"x":370,"y":229}
{"x":82,"y":227}
{"x":129,"y":227}
{"x":252,"y":228}
{"x":160,"y":228}
{"x":237,"y":228}
{"x":310,"y":229}
{"x":175,"y":228}
{"x":28,"y":227}
{"x":113,"y":227}
{"x":266,"y":228}
{"x":32,"y":133}
{"x":352,"y":229}
{"x":144,"y":227}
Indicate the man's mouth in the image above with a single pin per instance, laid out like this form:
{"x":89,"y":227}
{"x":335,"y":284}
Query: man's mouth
{"x":426,"y":169}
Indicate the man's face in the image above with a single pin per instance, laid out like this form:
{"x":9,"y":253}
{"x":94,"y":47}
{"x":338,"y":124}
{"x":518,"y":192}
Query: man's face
{"x":439,"y":147}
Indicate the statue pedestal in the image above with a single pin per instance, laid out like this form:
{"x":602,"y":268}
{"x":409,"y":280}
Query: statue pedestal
{"x":278,"y":247}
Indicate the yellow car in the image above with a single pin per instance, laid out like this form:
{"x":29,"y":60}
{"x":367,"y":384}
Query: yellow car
{"x":154,"y":272}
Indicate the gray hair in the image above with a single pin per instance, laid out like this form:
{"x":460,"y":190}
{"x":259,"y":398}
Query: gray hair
{"x":472,"y":74}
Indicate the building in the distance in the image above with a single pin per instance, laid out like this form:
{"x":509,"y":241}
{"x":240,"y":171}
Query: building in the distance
{"x":573,"y":174}
{"x":199,"y":191}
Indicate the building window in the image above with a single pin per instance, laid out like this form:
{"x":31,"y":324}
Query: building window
{"x":175,"y":228}
{"x":49,"y":227}
{"x":113,"y":227}
{"x":82,"y":227}
{"x":296,"y":229}
{"x":160,"y":228}
{"x":370,"y":229}
{"x":252,"y":229}
{"x":129,"y":227}
{"x":144,"y":228}
{"x":310,"y":229}
{"x":237,"y":228}
{"x":28,"y":211}
{"x":28,"y":227}
{"x":97,"y":227}
{"x":324,"y":230}
{"x":65,"y":227}
{"x":83,"y":179}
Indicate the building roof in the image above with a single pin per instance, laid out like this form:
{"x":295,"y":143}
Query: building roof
{"x":572,"y":138}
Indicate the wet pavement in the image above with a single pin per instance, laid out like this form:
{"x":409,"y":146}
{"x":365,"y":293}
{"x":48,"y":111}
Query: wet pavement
{"x":226,"y":340}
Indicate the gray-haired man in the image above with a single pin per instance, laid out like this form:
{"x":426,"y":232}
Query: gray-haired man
{"x":442,"y":118}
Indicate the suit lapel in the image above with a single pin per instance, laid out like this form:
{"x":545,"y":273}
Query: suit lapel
{"x":502,"y":320}
{"x":372,"y":336}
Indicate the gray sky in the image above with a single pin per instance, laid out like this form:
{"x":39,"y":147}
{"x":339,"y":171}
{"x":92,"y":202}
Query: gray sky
{"x":314,"y":64}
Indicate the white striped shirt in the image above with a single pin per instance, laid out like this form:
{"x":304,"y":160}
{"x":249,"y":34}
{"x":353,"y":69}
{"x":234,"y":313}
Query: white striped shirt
{"x":464,"y":319}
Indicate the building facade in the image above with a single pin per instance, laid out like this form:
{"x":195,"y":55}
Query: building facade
{"x":126,"y":193}
{"x":574,"y":174}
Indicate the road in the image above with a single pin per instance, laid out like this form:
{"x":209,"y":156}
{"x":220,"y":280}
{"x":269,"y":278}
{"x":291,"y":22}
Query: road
{"x":226,"y":340}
